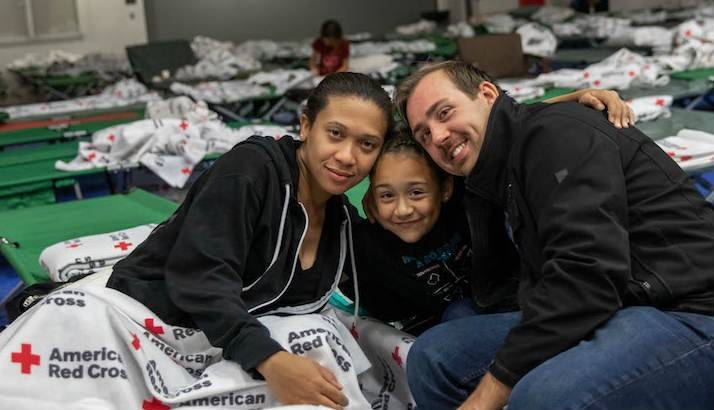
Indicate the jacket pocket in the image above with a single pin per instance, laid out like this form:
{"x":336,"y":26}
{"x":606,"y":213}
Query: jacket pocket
{"x":646,"y":287}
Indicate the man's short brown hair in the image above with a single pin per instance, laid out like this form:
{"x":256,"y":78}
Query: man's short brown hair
{"x":466,"y":77}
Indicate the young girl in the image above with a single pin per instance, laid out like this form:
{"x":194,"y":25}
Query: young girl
{"x":416,"y":259}
{"x":264,"y":231}
{"x":330,"y":52}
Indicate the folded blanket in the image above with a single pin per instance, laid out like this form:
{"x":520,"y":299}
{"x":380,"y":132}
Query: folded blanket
{"x":87,"y":254}
{"x":651,"y":108}
{"x":693,"y":150}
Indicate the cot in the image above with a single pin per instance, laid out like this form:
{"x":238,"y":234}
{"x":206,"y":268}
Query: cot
{"x":24,"y":233}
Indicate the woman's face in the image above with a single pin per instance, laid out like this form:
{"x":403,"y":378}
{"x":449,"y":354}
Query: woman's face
{"x":340,"y":147}
{"x":407,"y":195}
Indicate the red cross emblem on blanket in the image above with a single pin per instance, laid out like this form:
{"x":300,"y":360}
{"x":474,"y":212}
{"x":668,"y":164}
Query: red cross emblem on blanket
{"x":91,"y":155}
{"x":111,"y":137}
{"x":74,"y":245}
{"x":185,"y":170}
{"x":25,"y":358}
{"x":123,"y":245}
{"x":149,"y":325}
{"x":659,"y":102}
{"x":154,"y":405}
{"x":397,"y":358}
{"x":135,"y":341}
{"x":183,"y":125}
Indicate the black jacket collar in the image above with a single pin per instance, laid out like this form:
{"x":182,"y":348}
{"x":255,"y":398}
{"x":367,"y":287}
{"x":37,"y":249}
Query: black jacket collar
{"x":488,"y":177}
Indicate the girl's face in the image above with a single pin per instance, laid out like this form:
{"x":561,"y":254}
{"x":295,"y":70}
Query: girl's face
{"x":340,"y":147}
{"x":407,"y":195}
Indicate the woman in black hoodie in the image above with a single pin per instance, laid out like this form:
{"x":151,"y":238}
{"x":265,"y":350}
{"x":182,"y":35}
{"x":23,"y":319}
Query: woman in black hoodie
{"x":266,"y":230}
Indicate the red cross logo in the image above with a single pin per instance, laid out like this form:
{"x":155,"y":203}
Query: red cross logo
{"x":25,"y":358}
{"x":123,"y":245}
{"x":688,"y":33}
{"x":135,"y":341}
{"x":185,"y":171}
{"x":670,"y":153}
{"x":74,"y":245}
{"x":149,"y":325}
{"x":396,"y":357}
{"x":183,"y":125}
{"x":154,"y":405}
{"x":597,"y":83}
{"x":111,"y":137}
{"x":660,"y":102}
{"x":631,"y":73}
{"x":91,"y":155}
{"x":354,"y":332}
{"x":586,"y":74}
{"x":685,"y":157}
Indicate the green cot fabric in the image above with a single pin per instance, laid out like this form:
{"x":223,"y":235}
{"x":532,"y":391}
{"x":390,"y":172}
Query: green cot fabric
{"x":17,"y":175}
{"x":36,"y":228}
{"x":698,"y":74}
{"x":44,"y":134}
{"x":27,"y":196}
{"x":40,"y":153}
{"x":550,"y":93}
{"x":4,"y":116}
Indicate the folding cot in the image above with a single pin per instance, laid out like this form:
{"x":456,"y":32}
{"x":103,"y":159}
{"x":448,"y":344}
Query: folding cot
{"x":24,"y":233}
{"x":27,"y":132}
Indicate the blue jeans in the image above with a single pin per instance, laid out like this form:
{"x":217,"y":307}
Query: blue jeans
{"x":642,"y":358}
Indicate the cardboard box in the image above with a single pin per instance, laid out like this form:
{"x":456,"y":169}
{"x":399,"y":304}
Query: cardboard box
{"x":500,"y":55}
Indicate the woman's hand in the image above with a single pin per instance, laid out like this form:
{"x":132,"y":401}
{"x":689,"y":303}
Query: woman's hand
{"x":297,"y":380}
{"x":618,"y":112}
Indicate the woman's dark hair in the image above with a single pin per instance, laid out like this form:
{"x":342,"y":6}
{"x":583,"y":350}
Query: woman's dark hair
{"x":346,"y":84}
{"x":403,"y":143}
{"x":331,"y":29}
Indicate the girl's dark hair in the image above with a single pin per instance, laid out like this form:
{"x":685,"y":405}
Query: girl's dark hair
{"x":331,"y":29}
{"x":403,"y":143}
{"x":346,"y":84}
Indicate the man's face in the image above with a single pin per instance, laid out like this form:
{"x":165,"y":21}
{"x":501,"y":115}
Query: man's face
{"x":448,"y":123}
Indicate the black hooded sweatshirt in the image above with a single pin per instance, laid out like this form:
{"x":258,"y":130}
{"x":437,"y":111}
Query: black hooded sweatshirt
{"x":230,"y":252}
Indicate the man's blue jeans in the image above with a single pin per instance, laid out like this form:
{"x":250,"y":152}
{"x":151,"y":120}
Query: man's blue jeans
{"x":643,"y":358}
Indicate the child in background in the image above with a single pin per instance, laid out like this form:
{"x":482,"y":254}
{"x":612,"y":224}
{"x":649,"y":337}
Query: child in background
{"x":330,"y":52}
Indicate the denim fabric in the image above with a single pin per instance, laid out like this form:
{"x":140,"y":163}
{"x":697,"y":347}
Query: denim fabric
{"x":642,"y":358}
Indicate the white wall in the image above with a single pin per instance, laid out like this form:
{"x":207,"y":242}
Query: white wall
{"x":107,"y":26}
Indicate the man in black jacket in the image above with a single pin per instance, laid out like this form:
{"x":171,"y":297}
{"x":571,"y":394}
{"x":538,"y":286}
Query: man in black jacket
{"x":616,"y":246}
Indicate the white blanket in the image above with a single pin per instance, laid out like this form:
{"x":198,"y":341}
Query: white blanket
{"x":95,"y":348}
{"x":88,"y":254}
{"x":692,"y":150}
{"x":170,"y":148}
{"x":122,"y":94}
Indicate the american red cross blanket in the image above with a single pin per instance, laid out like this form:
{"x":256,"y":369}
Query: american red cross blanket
{"x":91,"y":347}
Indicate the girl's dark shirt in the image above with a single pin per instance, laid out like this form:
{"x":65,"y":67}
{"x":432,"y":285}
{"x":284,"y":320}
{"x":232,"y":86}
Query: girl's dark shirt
{"x":400,"y":281}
